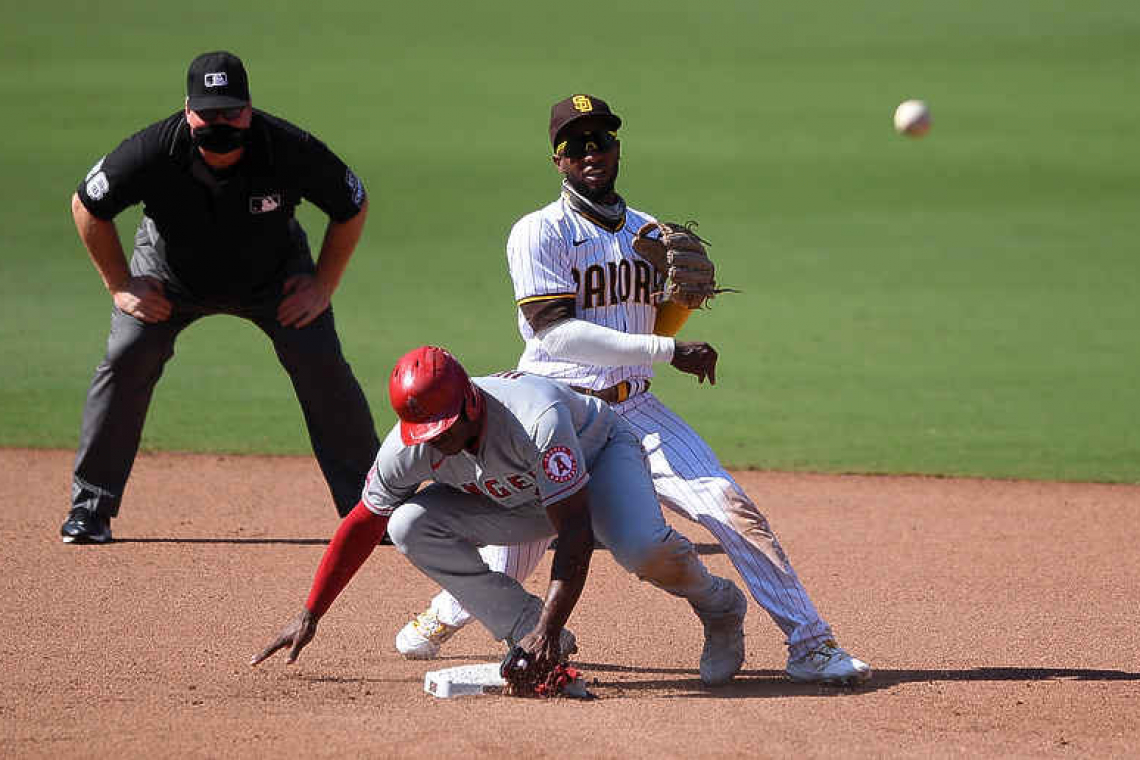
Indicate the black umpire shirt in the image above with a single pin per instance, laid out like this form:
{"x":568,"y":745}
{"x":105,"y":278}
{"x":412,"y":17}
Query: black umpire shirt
{"x":224,"y":235}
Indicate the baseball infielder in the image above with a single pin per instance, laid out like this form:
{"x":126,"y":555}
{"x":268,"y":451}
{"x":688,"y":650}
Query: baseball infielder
{"x":516,"y":458}
{"x":590,"y":317}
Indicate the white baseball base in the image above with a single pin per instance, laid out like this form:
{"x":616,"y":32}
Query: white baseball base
{"x":483,"y":679}
{"x":464,"y":680}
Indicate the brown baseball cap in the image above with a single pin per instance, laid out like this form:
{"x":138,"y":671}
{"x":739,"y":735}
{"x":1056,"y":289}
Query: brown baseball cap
{"x":575,"y":107}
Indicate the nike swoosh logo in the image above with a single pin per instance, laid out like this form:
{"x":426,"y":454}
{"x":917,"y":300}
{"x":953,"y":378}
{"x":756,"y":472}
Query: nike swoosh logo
{"x":578,"y":243}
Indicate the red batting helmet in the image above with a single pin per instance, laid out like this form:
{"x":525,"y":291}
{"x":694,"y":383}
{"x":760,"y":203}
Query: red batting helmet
{"x":428,"y":388}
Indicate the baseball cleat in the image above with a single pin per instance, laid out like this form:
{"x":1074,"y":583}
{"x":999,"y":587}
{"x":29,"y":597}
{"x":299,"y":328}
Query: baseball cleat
{"x":85,"y":527}
{"x":828,"y":663}
{"x":723,"y":653}
{"x":421,"y":638}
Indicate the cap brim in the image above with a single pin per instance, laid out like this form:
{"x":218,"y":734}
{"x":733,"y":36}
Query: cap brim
{"x":412,"y":433}
{"x":614,"y":122}
{"x":202,"y":102}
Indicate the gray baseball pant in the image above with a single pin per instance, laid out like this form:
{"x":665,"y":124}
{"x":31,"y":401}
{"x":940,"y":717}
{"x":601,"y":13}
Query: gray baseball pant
{"x":441,"y":528}
{"x":335,"y":409}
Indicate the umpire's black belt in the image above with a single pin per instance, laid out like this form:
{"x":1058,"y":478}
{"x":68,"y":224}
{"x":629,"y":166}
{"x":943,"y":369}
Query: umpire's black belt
{"x":616,"y":394}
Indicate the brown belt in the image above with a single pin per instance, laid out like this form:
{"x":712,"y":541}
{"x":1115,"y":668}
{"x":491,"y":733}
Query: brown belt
{"x":615,"y":394}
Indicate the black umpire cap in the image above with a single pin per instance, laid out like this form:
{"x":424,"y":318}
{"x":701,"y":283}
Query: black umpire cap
{"x":577,"y":107}
{"x":217,"y":80}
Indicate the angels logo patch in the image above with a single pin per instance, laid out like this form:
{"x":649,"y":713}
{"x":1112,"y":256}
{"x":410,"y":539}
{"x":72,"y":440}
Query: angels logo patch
{"x":559,"y":464}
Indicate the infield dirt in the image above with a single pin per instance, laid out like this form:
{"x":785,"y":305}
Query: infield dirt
{"x":1000,"y":618}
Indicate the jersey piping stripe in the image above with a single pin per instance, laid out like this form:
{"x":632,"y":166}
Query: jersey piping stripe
{"x":750,"y":570}
{"x":551,"y":297}
{"x":594,"y":220}
{"x":565,"y":490}
{"x":692,"y":462}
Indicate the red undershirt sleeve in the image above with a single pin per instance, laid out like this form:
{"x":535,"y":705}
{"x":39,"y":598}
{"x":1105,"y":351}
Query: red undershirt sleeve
{"x":353,"y":542}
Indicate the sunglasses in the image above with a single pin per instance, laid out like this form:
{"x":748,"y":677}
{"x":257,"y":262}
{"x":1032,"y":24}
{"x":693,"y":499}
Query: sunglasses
{"x":585,"y":143}
{"x":212,"y":114}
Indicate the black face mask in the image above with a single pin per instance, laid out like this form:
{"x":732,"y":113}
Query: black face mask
{"x":218,"y":138}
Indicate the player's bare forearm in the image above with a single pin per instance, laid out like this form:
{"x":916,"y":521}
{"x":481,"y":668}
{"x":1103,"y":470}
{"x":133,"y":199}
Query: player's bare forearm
{"x":354,"y":540}
{"x":101,"y":240}
{"x":337,"y":248}
{"x":571,"y":563}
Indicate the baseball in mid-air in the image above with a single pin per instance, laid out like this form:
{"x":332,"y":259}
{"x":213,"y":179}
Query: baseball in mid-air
{"x":912,"y":118}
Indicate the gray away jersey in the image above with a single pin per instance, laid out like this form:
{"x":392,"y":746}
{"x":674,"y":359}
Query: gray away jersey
{"x":538,"y":444}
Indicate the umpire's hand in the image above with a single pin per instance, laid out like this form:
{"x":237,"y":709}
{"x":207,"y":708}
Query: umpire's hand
{"x":304,"y":301}
{"x":296,"y":634}
{"x":143,"y":298}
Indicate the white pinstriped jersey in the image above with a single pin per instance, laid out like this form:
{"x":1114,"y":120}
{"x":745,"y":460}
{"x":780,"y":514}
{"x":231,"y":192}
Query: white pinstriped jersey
{"x":545,"y":263}
{"x":555,"y":252}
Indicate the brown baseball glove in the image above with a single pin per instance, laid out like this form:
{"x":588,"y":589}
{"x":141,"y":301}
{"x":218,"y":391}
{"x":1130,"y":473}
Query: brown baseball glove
{"x":527,"y":679}
{"x":524,"y":676}
{"x":679,"y":252}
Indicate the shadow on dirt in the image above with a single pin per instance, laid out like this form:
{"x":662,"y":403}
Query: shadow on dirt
{"x":773,"y":683}
{"x":702,"y":549}
{"x":233,"y":541}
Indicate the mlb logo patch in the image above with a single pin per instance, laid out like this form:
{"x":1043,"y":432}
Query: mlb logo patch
{"x":355,"y":187}
{"x":217,"y":79}
{"x":263,"y":204}
{"x":97,"y":186}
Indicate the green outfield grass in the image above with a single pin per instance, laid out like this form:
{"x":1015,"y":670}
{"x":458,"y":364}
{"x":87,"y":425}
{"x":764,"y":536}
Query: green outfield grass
{"x":962,"y":304}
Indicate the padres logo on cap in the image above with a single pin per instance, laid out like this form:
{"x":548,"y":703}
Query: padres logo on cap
{"x":582,"y":103}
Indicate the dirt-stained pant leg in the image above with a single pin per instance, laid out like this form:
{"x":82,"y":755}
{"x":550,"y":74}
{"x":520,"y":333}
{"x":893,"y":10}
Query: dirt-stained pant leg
{"x":627,"y":518}
{"x":690,"y":480}
{"x":440,"y":530}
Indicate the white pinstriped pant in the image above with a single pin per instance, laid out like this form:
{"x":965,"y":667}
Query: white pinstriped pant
{"x":690,"y":480}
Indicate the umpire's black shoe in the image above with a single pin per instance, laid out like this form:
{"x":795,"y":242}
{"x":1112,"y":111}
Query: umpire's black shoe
{"x":86,"y":527}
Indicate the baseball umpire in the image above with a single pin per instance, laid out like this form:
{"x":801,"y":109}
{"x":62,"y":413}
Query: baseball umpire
{"x":219,"y":182}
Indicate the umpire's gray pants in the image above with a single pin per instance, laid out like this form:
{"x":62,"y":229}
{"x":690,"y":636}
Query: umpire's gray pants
{"x":441,"y":528}
{"x":334,"y":406}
